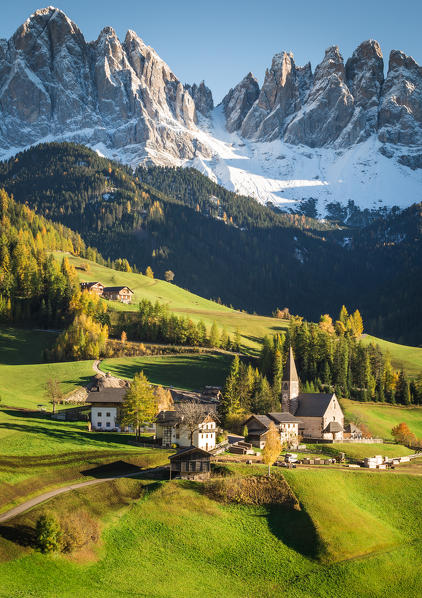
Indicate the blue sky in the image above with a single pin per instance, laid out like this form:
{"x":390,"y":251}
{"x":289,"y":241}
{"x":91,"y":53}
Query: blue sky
{"x":221,"y":41}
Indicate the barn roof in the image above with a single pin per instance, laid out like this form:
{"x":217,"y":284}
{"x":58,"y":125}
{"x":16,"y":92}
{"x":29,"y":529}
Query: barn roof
{"x":262,"y":419}
{"x":107,"y":395}
{"x":284,"y":417}
{"x":115,"y":289}
{"x":90,"y":284}
{"x":313,"y":404}
{"x":187,"y":451}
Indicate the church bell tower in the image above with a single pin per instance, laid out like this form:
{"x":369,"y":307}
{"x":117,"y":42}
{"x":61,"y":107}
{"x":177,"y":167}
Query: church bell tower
{"x":290,"y":385}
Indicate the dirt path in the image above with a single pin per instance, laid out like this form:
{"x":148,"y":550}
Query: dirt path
{"x":33,"y":502}
{"x":96,"y":367}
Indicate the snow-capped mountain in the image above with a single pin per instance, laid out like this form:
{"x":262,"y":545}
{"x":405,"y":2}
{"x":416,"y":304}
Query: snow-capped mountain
{"x":341,"y":132}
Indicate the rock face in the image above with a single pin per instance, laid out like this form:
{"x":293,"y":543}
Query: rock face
{"x":328,"y":107}
{"x":239,"y":101}
{"x":339,"y":105}
{"x":54,"y":83}
{"x":120,"y":95}
{"x":283,"y":93}
{"x":364,"y":76}
{"x":400,"y":115}
{"x":202,"y":96}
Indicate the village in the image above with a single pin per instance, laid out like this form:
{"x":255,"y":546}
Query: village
{"x":188,"y":422}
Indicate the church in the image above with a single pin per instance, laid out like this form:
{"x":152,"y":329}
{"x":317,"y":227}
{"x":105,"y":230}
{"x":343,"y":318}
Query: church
{"x":315,"y":416}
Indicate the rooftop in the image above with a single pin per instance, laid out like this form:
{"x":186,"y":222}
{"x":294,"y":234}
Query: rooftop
{"x":313,"y":404}
{"x":107,"y":395}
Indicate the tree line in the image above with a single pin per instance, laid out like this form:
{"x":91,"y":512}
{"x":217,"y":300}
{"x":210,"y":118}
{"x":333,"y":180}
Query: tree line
{"x":155,"y":322}
{"x":329,"y":356}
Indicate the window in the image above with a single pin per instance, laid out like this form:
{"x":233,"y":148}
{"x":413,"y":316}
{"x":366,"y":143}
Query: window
{"x":99,"y":424}
{"x":108,"y":414}
{"x":107,"y":424}
{"x":99,"y":414}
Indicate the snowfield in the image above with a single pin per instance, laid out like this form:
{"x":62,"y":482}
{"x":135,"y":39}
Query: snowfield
{"x":277,"y":172}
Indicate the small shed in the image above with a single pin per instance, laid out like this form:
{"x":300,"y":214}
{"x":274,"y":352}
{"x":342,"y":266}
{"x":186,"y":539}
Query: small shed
{"x":191,"y":464}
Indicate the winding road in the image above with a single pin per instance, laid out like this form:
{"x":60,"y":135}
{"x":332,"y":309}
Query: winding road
{"x":33,"y":502}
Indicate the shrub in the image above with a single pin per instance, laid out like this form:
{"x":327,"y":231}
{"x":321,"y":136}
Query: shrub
{"x":78,"y":529}
{"x":253,"y":490}
{"x":48,"y":533}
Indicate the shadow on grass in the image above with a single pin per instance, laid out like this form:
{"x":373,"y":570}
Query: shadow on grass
{"x":18,"y":534}
{"x":111,"y":469}
{"x":295,"y":529}
{"x":292,"y":527}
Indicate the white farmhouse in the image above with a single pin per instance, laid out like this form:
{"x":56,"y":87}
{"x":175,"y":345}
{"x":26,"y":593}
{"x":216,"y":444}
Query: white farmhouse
{"x":170,"y":429}
{"x":105,"y":408}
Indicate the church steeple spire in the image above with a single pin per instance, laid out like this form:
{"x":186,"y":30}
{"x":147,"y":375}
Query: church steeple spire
{"x":290,"y":385}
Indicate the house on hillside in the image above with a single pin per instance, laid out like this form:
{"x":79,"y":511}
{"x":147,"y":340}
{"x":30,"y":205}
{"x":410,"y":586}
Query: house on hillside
{"x":92,"y":287}
{"x":286,"y":423}
{"x":105,"y":408}
{"x":318,"y":415}
{"x":170,"y":429}
{"x":122,"y":294}
{"x":190,"y":463}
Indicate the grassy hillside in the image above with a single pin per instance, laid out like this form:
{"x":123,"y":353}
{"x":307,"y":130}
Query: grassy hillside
{"x":253,"y":328}
{"x":362,"y":450}
{"x":23,"y":433}
{"x":362,"y":513}
{"x":23,"y":375}
{"x":173,"y":541}
{"x":189,"y":372}
{"x":381,"y":418}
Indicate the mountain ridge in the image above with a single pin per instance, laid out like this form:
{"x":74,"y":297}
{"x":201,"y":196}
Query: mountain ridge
{"x":340,"y":133}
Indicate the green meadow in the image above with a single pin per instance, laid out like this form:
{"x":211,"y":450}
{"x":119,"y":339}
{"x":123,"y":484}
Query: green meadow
{"x":252,"y":328}
{"x":355,"y":535}
{"x":381,"y":418}
{"x":185,"y":371}
{"x":23,"y":375}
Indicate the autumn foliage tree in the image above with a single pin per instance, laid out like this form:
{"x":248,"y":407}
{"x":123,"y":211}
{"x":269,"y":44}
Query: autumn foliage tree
{"x":139,"y":406}
{"x":272,"y":447}
{"x":402,"y":434}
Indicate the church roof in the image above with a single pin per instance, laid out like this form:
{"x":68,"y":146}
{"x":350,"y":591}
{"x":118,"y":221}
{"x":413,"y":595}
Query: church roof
{"x":313,"y":404}
{"x":290,"y":372}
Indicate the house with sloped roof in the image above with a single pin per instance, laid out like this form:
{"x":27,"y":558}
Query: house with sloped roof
{"x":92,"y":287}
{"x":316,"y":416}
{"x":171,"y":429}
{"x":286,"y":423}
{"x":105,"y":408}
{"x":122,"y":294}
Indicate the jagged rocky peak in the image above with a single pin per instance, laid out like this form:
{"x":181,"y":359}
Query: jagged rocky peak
{"x":400,"y":114}
{"x":239,"y":101}
{"x":283,"y":91}
{"x":202,"y":96}
{"x":328,"y":107}
{"x":364,"y":77}
{"x":52,"y":82}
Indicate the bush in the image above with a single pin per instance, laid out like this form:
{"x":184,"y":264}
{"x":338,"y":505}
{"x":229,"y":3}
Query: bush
{"x":78,"y":529}
{"x":253,"y":490}
{"x":48,"y":533}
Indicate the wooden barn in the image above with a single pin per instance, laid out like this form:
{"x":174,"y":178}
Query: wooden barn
{"x":190,"y":464}
{"x":92,"y":287}
{"x":122,"y":294}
